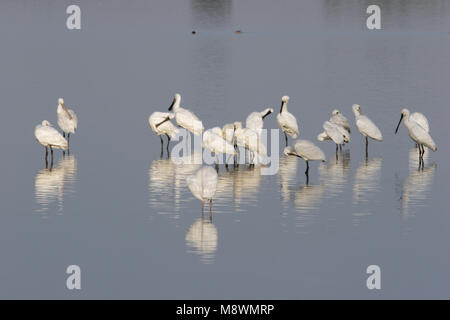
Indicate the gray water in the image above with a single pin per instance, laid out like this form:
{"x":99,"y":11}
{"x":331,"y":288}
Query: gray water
{"x":126,"y":217}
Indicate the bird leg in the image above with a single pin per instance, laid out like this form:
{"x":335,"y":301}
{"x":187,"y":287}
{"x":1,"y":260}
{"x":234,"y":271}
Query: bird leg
{"x":68,"y":138}
{"x":307,"y":172}
{"x":162,"y":143}
{"x":46,"y":155}
{"x":203,"y":208}
{"x":51,"y":162}
{"x":168,"y":141}
{"x":64,"y":134}
{"x":367,"y":145}
{"x":286,"y":138}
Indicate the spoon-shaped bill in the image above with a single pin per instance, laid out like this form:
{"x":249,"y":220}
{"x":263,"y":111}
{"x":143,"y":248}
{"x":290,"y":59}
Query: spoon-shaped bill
{"x":401,"y":118}
{"x":171,"y":105}
{"x":166,"y":119}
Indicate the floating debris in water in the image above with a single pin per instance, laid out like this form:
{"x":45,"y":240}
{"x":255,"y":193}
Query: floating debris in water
{"x":238,"y":31}
{"x":194,"y":32}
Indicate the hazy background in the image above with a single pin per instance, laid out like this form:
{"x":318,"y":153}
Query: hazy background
{"x":126,"y":217}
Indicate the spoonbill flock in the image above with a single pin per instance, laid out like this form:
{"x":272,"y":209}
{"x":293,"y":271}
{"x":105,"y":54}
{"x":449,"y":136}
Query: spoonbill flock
{"x":51,"y":138}
{"x":228,"y":138}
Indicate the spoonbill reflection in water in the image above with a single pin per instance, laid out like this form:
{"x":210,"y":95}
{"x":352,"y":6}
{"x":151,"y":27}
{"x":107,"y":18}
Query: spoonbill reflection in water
{"x":52,"y":184}
{"x":366,"y":127}
{"x":202,"y":237}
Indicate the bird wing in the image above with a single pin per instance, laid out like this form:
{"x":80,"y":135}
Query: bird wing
{"x":74,"y":119}
{"x":367,"y":127}
{"x":340,"y":120}
{"x":194,"y":185}
{"x":288,"y":123}
{"x":254,"y":121}
{"x":218,"y":144}
{"x":209,"y":179}
{"x":189,"y":120}
{"x":421,"y":120}
{"x":418,"y":134}
{"x":308,"y":150}
{"x":50,"y":136}
{"x":333,"y":132}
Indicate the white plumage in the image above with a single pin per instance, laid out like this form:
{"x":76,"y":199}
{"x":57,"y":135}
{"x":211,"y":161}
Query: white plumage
{"x":255,"y":120}
{"x":287,"y":121}
{"x":185,"y":118}
{"x":416,"y":132}
{"x":250,"y":140}
{"x":213,"y":140}
{"x":338,"y":118}
{"x":365,"y":126}
{"x":67,"y":119}
{"x":421,"y":120}
{"x":160,"y":124}
{"x":332,"y":132}
{"x":228,"y":132}
{"x":306,"y":150}
{"x":203,"y":183}
{"x":48,"y":136}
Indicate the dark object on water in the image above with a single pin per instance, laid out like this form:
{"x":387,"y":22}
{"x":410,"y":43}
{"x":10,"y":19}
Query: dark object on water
{"x":193,"y":32}
{"x":238,"y":31}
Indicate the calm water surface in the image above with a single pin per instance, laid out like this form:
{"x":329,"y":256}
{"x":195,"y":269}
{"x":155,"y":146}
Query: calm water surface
{"x":125,"y":215}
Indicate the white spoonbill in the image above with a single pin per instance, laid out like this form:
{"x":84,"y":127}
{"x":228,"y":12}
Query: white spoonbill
{"x":185,"y":118}
{"x":287,"y":121}
{"x":228,"y":133}
{"x":250,"y":140}
{"x":255,"y":120}
{"x":67,"y":119}
{"x":365,"y":126}
{"x":203,"y":184}
{"x":338,"y":118}
{"x":332,"y":131}
{"x":417,"y":133}
{"x":306,"y":150}
{"x":49,"y":137}
{"x":160,"y":124}
{"x":212,"y":140}
{"x":421,"y":120}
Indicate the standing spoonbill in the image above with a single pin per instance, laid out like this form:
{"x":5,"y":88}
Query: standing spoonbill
{"x":332,"y":131}
{"x":160,"y":124}
{"x":67,"y":119}
{"x":287,"y":121}
{"x":49,"y":137}
{"x":255,"y":120}
{"x":212,"y":140}
{"x":338,"y":118}
{"x":185,"y":118}
{"x":421,"y":120}
{"x":306,"y":150}
{"x":417,"y":133}
{"x":366,"y":127}
{"x":203,"y":185}
{"x":251,"y":141}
